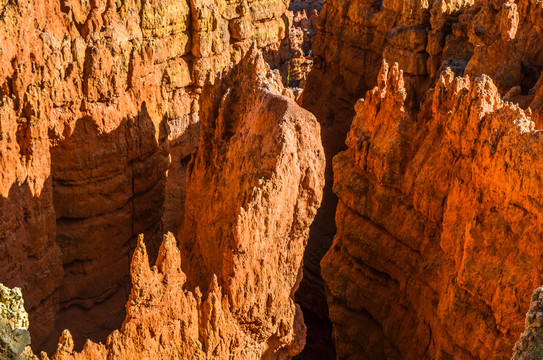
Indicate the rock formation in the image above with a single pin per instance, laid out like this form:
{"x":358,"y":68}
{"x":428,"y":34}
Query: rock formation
{"x":253,"y":189}
{"x":530,"y":345}
{"x":120,"y":118}
{"x":14,"y":335}
{"x":498,"y":38}
{"x":302,"y":36}
{"x":165,"y":321}
{"x":429,"y":257}
{"x":99,"y":106}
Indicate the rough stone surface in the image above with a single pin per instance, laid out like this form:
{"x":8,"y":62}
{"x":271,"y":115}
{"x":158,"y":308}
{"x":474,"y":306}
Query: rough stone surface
{"x":302,"y":35}
{"x":100,"y":109}
{"x":253,"y":189}
{"x":498,"y":38}
{"x":435,"y":219}
{"x":14,"y":335}
{"x":165,"y":321}
{"x":530,"y":345}
{"x":99,"y":104}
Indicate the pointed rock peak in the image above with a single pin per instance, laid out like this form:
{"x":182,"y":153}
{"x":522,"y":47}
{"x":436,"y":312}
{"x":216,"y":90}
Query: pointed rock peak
{"x":395,"y":82}
{"x":449,"y":83}
{"x":485,"y":83}
{"x":214,"y":286}
{"x":198,"y":295}
{"x":139,"y":268}
{"x":383,"y":76}
{"x":65,"y":345}
{"x":446,"y":77}
{"x":485,"y":93}
{"x":390,"y":81}
{"x":169,"y":258}
{"x":253,"y":63}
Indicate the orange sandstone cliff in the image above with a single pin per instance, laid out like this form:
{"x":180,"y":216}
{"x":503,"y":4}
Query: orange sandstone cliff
{"x":436,"y":221}
{"x":242,"y":242}
{"x":99,"y":105}
{"x":391,"y":226}
{"x":253,"y":190}
{"x":499,"y":38}
{"x":120,"y":118}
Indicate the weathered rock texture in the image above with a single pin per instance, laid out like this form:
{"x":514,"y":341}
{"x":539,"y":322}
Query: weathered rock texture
{"x":436,"y":223}
{"x":498,"y":38}
{"x":530,"y":345}
{"x":98,"y":118}
{"x":165,"y":321}
{"x":14,"y":335}
{"x":302,"y":35}
{"x":253,"y":189}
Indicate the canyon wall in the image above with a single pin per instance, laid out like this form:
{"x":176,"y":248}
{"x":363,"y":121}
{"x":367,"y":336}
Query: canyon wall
{"x":104,"y":103}
{"x":254,"y":186}
{"x":99,"y":105}
{"x":385,"y":232}
{"x":436,"y":223}
{"x":499,"y":38}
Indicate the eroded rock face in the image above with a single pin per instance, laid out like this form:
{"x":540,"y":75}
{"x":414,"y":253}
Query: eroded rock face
{"x":167,"y":322}
{"x":99,"y":106}
{"x":253,"y":190}
{"x":530,"y":345}
{"x":423,"y":37}
{"x":302,"y":35}
{"x":254,"y":186}
{"x":435,"y":216}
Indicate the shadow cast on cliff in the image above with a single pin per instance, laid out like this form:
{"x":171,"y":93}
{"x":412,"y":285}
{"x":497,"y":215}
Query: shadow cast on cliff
{"x":108,"y":187}
{"x":69,"y":246}
{"x":29,"y":255}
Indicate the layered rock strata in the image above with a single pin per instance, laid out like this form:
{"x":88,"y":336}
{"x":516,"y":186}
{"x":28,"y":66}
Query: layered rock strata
{"x":498,"y":38}
{"x":253,"y":189}
{"x":99,"y":106}
{"x":435,"y":219}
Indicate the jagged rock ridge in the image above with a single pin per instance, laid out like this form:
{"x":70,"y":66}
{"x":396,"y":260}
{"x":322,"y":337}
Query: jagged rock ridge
{"x":434,"y":220}
{"x":499,"y":38}
{"x":167,"y":322}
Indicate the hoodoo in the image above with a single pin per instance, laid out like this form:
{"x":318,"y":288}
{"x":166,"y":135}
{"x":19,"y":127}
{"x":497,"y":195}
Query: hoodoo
{"x":271,"y":179}
{"x":99,"y":116}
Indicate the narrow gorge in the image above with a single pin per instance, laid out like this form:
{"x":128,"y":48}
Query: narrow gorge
{"x":271,"y":179}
